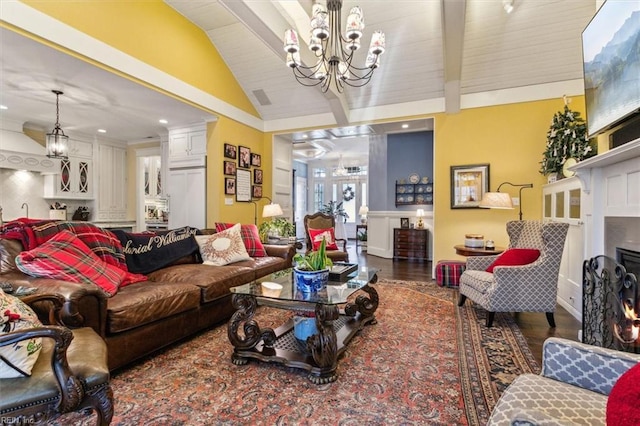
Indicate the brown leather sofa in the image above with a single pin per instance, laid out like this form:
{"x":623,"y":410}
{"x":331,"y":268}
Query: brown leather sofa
{"x":175,"y":302}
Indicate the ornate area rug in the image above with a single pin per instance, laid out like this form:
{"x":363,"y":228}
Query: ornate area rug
{"x":424,"y":362}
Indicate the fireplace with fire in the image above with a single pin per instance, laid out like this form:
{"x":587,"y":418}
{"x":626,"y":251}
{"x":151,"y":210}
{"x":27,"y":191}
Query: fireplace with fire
{"x":611,"y":303}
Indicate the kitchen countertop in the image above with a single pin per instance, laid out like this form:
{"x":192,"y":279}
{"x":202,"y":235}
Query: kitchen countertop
{"x":114,"y":223}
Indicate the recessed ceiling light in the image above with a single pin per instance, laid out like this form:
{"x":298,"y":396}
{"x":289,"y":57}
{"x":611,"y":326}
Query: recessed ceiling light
{"x":405,"y":126}
{"x":163,"y":121}
{"x":4,"y":107}
{"x":102,"y":131}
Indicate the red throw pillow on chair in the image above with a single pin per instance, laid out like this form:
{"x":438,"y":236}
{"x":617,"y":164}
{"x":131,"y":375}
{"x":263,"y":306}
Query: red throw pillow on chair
{"x":515,"y":257}
{"x":624,"y":399}
{"x":317,"y":235}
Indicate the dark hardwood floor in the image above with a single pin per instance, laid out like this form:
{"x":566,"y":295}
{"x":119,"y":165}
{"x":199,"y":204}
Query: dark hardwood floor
{"x":534,"y":325}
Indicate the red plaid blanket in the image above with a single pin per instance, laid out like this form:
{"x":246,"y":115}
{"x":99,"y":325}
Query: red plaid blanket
{"x":31,"y":233}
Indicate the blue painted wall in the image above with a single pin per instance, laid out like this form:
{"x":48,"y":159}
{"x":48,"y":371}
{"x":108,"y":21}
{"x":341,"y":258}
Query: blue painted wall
{"x":395,"y":159}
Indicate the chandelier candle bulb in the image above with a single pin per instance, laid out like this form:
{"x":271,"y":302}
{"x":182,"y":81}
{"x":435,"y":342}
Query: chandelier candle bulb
{"x":291,"y":44}
{"x":378,"y":43}
{"x":355,"y":23}
{"x":293,"y":59}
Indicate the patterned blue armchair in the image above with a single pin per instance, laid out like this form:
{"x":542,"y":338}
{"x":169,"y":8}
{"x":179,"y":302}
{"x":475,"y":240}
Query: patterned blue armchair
{"x":526,"y":288}
{"x":571,"y":389}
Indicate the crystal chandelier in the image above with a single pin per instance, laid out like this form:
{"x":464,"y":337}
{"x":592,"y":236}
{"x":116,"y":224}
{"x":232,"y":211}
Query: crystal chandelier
{"x":341,"y":170}
{"x":57,"y":141}
{"x":333,"y":49}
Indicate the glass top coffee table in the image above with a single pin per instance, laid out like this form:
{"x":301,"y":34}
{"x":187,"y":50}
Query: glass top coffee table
{"x":338,"y":317}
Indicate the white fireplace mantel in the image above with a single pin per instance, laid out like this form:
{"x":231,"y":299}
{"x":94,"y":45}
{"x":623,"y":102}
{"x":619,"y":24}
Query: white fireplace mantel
{"x":611,"y":185}
{"x":620,"y":154}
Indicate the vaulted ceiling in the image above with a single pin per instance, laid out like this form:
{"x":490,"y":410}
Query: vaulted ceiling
{"x":442,"y":55}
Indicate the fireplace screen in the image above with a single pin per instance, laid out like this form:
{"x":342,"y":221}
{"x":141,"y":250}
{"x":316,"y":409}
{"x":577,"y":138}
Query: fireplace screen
{"x":610,"y":305}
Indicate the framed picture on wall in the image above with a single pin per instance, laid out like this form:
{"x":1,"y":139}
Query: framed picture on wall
{"x":230,"y":151}
{"x":243,"y":185}
{"x":257,"y":176}
{"x":468,"y":185}
{"x":257,"y":191}
{"x":256,"y":160}
{"x":244,"y":157}
{"x":229,"y":186}
{"x":229,"y":168}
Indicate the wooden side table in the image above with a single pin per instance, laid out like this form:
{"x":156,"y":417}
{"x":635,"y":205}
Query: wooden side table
{"x":463,"y":250}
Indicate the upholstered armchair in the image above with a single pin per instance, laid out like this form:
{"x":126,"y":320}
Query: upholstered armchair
{"x":532,"y":287}
{"x":70,"y":374}
{"x":573,"y":387}
{"x":320,"y":221}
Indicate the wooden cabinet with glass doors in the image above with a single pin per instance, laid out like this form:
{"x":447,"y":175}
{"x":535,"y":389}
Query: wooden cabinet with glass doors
{"x":562,"y":201}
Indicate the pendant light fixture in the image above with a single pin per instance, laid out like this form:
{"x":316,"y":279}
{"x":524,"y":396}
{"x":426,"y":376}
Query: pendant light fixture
{"x":334,"y":49}
{"x":57,"y":141}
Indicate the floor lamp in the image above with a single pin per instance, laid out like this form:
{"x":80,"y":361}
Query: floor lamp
{"x":270,"y":210}
{"x":502,"y":200}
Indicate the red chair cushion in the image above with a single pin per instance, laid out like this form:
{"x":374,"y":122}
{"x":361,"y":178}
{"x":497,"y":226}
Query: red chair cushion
{"x":515,"y":257}
{"x":250,"y":238}
{"x":624,"y":399}
{"x":317,"y":235}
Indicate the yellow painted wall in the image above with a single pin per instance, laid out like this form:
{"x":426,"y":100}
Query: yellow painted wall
{"x":157,"y":34}
{"x":511,"y":138}
{"x":230,"y":131}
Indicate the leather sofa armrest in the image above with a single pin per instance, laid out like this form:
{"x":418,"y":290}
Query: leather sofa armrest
{"x":83,"y":305}
{"x":284,"y":251}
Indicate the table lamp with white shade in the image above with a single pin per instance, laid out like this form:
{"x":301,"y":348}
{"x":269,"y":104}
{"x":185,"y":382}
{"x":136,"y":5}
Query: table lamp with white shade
{"x":420,"y":222}
{"x":363,"y":214}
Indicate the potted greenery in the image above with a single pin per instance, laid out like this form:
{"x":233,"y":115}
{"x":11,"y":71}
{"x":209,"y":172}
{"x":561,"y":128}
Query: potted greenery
{"x":336,"y":210}
{"x":311,"y":270}
{"x":279,"y":226}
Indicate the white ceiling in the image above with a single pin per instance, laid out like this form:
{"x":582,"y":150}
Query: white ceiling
{"x":438,"y":53}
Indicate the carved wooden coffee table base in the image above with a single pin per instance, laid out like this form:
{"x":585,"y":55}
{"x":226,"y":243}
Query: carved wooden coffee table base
{"x":319,"y":354}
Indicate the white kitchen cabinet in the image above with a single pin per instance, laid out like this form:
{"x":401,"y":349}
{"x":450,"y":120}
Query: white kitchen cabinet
{"x":74,"y":182}
{"x":111,"y":201}
{"x":562,"y":201}
{"x":186,"y":195}
{"x":79,"y":148}
{"x":187,"y":147}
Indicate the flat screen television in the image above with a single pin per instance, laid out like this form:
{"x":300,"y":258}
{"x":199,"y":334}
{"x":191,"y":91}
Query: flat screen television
{"x":611,"y":58}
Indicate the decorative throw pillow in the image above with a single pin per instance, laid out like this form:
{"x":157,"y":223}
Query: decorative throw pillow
{"x":18,"y":359}
{"x":66,"y":257}
{"x":223,"y":247}
{"x":250,"y":237}
{"x":148,"y":252}
{"x":328,"y":234}
{"x":624,"y":399}
{"x":515,"y":257}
